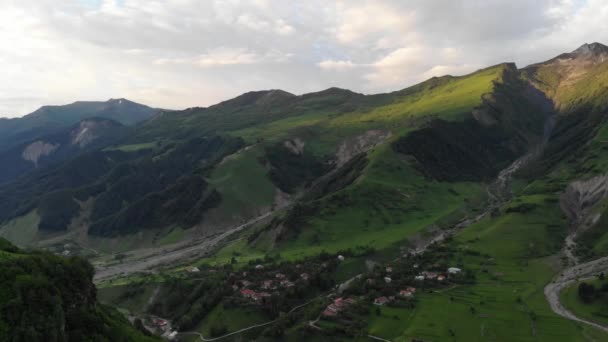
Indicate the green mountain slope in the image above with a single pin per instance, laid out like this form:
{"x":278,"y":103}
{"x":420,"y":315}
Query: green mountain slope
{"x":88,"y":134}
{"x":47,"y":298}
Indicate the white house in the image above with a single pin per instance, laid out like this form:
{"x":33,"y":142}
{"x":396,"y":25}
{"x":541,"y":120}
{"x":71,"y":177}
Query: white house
{"x":454,"y":270}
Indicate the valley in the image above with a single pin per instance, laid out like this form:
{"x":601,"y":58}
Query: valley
{"x":459,"y":209}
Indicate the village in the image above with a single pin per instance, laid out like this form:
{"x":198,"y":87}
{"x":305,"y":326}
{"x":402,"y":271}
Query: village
{"x":274,"y":288}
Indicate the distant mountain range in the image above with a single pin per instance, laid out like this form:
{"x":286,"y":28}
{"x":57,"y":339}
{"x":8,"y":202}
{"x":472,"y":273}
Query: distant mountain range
{"x":50,"y":119}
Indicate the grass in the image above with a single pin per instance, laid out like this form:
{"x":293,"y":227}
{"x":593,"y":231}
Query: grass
{"x":135,"y":302}
{"x":596,"y":311}
{"x":390,"y":202}
{"x":231,"y":318}
{"x":452,"y":99}
{"x":22,"y":231}
{"x":133,"y":147}
{"x":509,"y":255}
{"x":243,"y":184}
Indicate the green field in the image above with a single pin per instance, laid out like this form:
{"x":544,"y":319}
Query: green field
{"x":243,"y":184}
{"x":510,"y":257}
{"x":22,"y":231}
{"x":596,"y":311}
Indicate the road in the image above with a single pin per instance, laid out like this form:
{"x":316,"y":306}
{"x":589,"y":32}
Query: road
{"x":567,"y":277}
{"x":181,"y":253}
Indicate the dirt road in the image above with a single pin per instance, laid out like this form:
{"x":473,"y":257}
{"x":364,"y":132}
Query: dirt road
{"x":567,"y":277}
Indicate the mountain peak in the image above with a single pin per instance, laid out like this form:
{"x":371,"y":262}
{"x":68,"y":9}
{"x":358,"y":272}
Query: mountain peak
{"x":591,"y":49}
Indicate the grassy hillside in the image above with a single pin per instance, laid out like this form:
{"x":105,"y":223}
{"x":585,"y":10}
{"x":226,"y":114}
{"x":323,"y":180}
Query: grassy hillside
{"x":44,"y":297}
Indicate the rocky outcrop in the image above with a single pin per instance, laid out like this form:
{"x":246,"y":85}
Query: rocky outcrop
{"x":580,"y":197}
{"x":359,"y":144}
{"x":88,"y":131}
{"x":296,"y":146}
{"x":36,"y":150}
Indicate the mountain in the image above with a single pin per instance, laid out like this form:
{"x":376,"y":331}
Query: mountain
{"x":50,"y":119}
{"x":290,"y":216}
{"x":88,"y":134}
{"x":48,"y":298}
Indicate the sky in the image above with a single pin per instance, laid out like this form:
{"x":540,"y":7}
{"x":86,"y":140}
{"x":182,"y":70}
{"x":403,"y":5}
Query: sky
{"x":177,"y":54}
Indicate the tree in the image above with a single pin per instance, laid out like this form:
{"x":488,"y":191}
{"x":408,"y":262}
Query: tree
{"x":586,"y":292}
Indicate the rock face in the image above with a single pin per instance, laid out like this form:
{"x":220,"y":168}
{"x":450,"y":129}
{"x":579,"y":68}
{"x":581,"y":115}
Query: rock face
{"x":34,"y":151}
{"x":359,"y":144}
{"x":581,"y":196}
{"x":87,"y":131}
{"x":296,"y":146}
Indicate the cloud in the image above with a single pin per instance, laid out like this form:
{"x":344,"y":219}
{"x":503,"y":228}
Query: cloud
{"x":184,"y":53}
{"x":225,"y":56}
{"x":336,"y":65}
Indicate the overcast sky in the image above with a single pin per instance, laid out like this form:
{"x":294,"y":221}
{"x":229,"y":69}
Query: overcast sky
{"x":184,"y":53}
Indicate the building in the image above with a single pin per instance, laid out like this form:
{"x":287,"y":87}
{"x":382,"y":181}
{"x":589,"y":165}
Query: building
{"x":387,"y":280}
{"x":419,"y":277}
{"x":286,"y":283}
{"x":259,"y":267}
{"x":405,"y":293}
{"x":341,"y":257}
{"x":430,"y":275}
{"x":305,"y":276}
{"x":247,"y":293}
{"x":280,"y":276}
{"x":337,"y":306}
{"x":381,"y":301}
{"x":193,"y":269}
{"x":441,"y":277}
{"x":268,"y":285}
{"x":389,"y":270}
{"x":454,"y":270}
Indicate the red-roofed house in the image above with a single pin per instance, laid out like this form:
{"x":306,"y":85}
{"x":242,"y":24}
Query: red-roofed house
{"x":381,"y":301}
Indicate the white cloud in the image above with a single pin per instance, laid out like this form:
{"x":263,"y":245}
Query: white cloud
{"x":183,"y":53}
{"x":336,"y":65}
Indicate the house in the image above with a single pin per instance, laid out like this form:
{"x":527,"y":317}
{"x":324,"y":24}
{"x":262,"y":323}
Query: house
{"x":441,"y":277}
{"x":246,"y":283}
{"x":260,"y":295}
{"x":411,"y":289}
{"x":330,"y":311}
{"x":305,"y":276}
{"x":387,"y":280}
{"x":341,"y":257}
{"x":268,"y":285}
{"x":405,"y":293}
{"x":430,"y":275}
{"x":161,"y":323}
{"x":280,"y":276}
{"x":419,"y":277}
{"x":389,"y":270}
{"x":259,"y":267}
{"x":381,"y":301}
{"x":286,"y":283}
{"x":454,"y":270}
{"x":416,"y":266}
{"x":193,"y":269}
{"x":247,"y":293}
{"x":337,"y":306}
{"x":235,"y":287}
